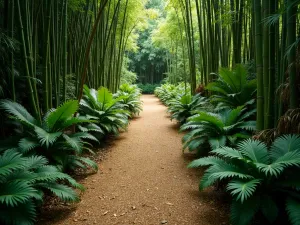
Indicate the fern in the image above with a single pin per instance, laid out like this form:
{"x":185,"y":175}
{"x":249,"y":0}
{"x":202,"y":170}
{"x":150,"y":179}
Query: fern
{"x":11,"y":161}
{"x":256,"y":179}
{"x":218,"y":129}
{"x":110,"y":114}
{"x":27,"y":144}
{"x":63,"y":192}
{"x":232,"y":88}
{"x":62,"y":113}
{"x":18,"y":112}
{"x":14,"y":193}
{"x":242,"y":190}
{"x":24,"y":214}
{"x":292,"y":207}
{"x":243,"y":213}
{"x":46,"y":138}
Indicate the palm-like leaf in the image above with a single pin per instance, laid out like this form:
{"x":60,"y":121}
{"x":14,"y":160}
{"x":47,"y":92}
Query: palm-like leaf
{"x":256,"y":179}
{"x":110,"y":114}
{"x":292,"y":207}
{"x":45,"y":138}
{"x":256,"y":151}
{"x":243,"y":213}
{"x":24,"y":214}
{"x":63,"y":192}
{"x":218,"y":129}
{"x":14,"y":193}
{"x":27,"y":144}
{"x":232,"y":89}
{"x":59,"y":115}
{"x":18,"y":112}
{"x":11,"y":161}
{"x":242,"y":190}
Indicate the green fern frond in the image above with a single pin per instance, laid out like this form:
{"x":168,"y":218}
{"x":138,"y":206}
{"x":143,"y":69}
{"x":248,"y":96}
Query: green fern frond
{"x":217,"y":142}
{"x":11,"y":161}
{"x":62,"y":191}
{"x":254,"y":150}
{"x":34,"y":162}
{"x":27,"y":144}
{"x":274,"y":169}
{"x":242,"y":190}
{"x":104,"y":96}
{"x":83,"y":135}
{"x":46,"y":138}
{"x":292,"y":208}
{"x":74,"y":142}
{"x":89,"y":162}
{"x":18,"y":112}
{"x":62,"y":113}
{"x":14,"y":193}
{"x":283,"y":145}
{"x":194,"y":144}
{"x":243,"y":213}
{"x":21,"y":214}
{"x":227,"y":152}
{"x":72,"y":121}
{"x":205,"y":161}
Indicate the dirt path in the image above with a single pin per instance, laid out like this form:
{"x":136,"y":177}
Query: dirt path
{"x":144,"y":180}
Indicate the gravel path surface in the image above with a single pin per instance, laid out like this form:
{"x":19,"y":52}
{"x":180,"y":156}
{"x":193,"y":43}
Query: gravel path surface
{"x":144,"y":180}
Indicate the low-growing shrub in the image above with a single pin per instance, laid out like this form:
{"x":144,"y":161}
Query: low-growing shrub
{"x":23,"y":182}
{"x":108,"y":113}
{"x":227,"y":127}
{"x":148,"y":88}
{"x":186,"y":106}
{"x":50,"y":136}
{"x":260,"y":179}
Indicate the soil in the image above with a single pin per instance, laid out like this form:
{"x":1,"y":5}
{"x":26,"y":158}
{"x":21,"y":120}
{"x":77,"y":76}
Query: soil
{"x":144,"y":180}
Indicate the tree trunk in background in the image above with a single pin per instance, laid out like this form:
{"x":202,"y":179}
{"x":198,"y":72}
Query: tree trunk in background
{"x":259,"y":65}
{"x":291,"y":39}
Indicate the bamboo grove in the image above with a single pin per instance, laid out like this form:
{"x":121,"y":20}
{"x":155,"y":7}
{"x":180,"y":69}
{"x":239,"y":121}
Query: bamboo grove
{"x":57,"y":46}
{"x":62,"y":93}
{"x":204,"y":36}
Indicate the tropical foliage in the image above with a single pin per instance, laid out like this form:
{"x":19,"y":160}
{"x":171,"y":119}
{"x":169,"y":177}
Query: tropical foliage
{"x":33,"y":160}
{"x":24,"y":181}
{"x":233,"y":88}
{"x":148,"y":88}
{"x":50,"y":136}
{"x":227,"y":127}
{"x":260,"y":179}
{"x":109,"y":114}
{"x":186,"y":106}
{"x":168,"y":92}
{"x":129,"y":95}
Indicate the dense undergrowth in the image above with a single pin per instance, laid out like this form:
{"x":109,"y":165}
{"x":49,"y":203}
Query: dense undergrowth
{"x":38,"y":154}
{"x":261,"y":178}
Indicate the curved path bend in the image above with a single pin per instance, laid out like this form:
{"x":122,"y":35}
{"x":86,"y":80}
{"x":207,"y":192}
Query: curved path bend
{"x":144,"y":180}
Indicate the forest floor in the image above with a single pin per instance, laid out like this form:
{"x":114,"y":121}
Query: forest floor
{"x":144,"y":180}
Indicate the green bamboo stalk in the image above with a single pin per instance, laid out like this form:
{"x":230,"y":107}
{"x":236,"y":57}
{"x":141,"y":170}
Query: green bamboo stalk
{"x":65,"y":55}
{"x":291,"y":39}
{"x":28,"y":77}
{"x":259,"y":65}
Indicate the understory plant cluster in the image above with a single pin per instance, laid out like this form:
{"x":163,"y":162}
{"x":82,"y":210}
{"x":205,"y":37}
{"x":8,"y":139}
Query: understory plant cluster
{"x":262,"y":179}
{"x":38,"y":154}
